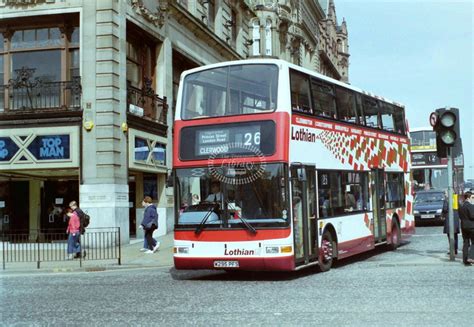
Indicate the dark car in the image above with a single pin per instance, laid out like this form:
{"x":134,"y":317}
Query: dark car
{"x":430,"y":206}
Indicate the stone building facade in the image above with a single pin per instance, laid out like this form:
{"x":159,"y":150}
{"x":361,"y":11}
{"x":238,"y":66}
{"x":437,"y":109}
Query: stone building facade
{"x":87,"y":93}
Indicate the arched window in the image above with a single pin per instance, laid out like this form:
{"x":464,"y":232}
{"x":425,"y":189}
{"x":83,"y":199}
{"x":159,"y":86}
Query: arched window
{"x":256,"y":38}
{"x":268,"y":38}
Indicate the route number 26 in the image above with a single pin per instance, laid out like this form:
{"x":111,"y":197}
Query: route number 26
{"x":252,"y":138}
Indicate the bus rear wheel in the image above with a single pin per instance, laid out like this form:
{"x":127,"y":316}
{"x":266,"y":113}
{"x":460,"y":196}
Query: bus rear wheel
{"x":326,"y":252}
{"x":395,"y":235}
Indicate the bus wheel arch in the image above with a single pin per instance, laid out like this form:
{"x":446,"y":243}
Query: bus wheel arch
{"x":395,"y":234}
{"x":328,"y":250}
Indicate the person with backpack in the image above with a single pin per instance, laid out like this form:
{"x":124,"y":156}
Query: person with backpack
{"x":73,"y":244}
{"x":84,"y":222}
{"x":149,"y":224}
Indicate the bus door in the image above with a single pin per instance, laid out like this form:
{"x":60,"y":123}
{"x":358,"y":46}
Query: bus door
{"x":303,"y":189}
{"x":378,"y":205}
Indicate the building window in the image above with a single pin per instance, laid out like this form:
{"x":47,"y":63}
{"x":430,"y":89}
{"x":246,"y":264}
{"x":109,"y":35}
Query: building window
{"x":40,"y":52}
{"x":256,"y":38}
{"x":47,"y":64}
{"x":211,"y":14}
{"x":150,"y":186}
{"x":268,"y":38}
{"x":36,"y":38}
{"x":74,"y":70}
{"x":234,"y":26}
{"x":74,"y":66}
{"x":74,"y":37}
{"x":2,"y":94}
{"x":142,"y":149}
{"x":140,"y":60}
{"x":133,"y":65}
{"x":183,"y":3}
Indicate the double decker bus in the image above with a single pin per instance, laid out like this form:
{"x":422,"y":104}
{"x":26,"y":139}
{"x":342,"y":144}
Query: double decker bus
{"x":277,"y":167}
{"x":430,"y":171}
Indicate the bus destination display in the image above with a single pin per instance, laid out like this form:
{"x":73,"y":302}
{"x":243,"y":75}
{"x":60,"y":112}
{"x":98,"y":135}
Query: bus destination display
{"x":253,"y":139}
{"x":234,"y":140}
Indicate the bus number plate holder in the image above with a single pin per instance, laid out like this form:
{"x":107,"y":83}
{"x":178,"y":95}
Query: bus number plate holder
{"x":226,"y":264}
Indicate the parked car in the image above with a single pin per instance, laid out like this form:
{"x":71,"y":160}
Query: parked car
{"x":430,"y":206}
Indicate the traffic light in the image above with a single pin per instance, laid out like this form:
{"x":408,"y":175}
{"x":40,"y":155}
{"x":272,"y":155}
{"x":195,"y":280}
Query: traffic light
{"x":447,"y":130}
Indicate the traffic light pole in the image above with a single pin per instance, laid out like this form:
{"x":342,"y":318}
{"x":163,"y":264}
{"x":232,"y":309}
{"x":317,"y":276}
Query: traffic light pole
{"x":450,"y":204}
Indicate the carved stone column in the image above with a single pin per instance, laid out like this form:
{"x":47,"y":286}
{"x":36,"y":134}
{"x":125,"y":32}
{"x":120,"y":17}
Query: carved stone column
{"x":104,"y":167}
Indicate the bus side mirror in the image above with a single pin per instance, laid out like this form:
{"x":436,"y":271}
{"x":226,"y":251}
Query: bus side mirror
{"x":170,"y":180}
{"x":301,"y":174}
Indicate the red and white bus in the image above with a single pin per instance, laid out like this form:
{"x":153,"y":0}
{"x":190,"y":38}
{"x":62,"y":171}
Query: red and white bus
{"x":277,"y":167}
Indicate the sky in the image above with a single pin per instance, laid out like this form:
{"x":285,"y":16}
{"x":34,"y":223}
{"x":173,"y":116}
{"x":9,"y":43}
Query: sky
{"x":418,"y":53}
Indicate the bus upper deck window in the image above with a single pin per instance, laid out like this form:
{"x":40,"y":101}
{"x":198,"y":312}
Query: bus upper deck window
{"x":324,"y":101}
{"x":300,"y":93}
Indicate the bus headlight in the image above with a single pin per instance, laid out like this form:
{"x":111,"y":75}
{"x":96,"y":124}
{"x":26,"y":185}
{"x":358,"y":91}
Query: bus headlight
{"x":181,"y":249}
{"x":272,"y":250}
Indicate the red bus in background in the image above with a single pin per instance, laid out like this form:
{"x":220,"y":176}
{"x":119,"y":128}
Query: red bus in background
{"x":277,"y":168}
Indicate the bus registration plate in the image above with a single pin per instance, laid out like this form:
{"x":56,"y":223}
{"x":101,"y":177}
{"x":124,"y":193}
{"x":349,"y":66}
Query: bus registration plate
{"x":226,"y":264}
{"x":427,"y":216}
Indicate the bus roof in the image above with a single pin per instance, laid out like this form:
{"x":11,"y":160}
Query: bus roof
{"x":292,"y":66}
{"x":421,"y":129}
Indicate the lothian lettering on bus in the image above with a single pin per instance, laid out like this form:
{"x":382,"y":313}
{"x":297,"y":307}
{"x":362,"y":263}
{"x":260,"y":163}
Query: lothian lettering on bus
{"x":302,"y":134}
{"x":239,"y":252}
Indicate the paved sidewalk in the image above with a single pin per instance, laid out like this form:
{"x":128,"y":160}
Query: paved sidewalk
{"x":132,"y":258}
{"x":130,"y":254}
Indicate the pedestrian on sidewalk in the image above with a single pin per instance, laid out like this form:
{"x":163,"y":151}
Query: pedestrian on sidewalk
{"x":73,"y":231}
{"x":75,"y":208}
{"x":466,"y":215}
{"x":145,"y":244}
{"x":456,"y":232}
{"x":149,"y":224}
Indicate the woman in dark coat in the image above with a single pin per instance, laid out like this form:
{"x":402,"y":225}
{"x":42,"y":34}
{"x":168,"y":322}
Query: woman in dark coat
{"x":149,"y":224}
{"x":456,"y":231}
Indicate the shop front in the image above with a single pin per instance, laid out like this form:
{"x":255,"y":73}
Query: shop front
{"x":147,"y":177}
{"x":39,"y":177}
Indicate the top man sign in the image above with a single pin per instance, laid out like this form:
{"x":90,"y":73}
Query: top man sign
{"x":8,"y":148}
{"x":50,"y":147}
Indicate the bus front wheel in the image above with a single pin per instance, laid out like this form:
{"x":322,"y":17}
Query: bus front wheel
{"x":326,"y":252}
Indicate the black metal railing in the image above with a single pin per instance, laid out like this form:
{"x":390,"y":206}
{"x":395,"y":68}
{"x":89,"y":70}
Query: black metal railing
{"x":35,"y":246}
{"x":26,"y":92}
{"x":146,"y":104}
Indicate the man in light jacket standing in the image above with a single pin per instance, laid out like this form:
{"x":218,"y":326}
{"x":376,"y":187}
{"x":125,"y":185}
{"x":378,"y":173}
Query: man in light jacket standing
{"x":149,"y":224}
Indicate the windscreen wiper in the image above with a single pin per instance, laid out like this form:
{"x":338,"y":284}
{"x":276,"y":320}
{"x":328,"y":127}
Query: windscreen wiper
{"x":206,"y":217}
{"x":249,"y":227}
{"x":244,"y":221}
